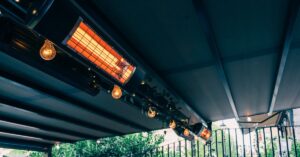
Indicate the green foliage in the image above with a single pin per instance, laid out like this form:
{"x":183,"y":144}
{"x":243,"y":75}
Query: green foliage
{"x":293,"y":153}
{"x":37,"y":154}
{"x":111,"y":146}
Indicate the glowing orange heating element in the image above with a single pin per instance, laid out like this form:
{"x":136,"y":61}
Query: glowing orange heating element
{"x":92,"y":47}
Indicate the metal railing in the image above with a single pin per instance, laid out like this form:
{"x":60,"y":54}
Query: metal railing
{"x":276,"y":141}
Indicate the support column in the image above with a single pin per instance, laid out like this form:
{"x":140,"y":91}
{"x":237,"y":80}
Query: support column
{"x":49,"y":153}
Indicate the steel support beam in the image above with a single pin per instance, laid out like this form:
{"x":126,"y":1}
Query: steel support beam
{"x":210,"y":37}
{"x":287,"y":41}
{"x":61,"y":96}
{"x":24,"y":144}
{"x":45,"y":127}
{"x":49,"y":152}
{"x":53,"y":115}
{"x":34,"y":135}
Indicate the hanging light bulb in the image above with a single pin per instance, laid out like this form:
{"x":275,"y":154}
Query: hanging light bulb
{"x":151,"y":112}
{"x":186,"y":132}
{"x":172,"y":124}
{"x":116,"y":92}
{"x":47,"y":51}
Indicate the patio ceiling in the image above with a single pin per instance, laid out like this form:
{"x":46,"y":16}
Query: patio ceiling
{"x":220,"y":59}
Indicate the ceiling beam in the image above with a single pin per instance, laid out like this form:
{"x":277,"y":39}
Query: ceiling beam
{"x":42,"y":136}
{"x":44,"y":126}
{"x":210,"y":37}
{"x":67,"y":98}
{"x":54,"y":115}
{"x":12,"y":143}
{"x":288,"y":37}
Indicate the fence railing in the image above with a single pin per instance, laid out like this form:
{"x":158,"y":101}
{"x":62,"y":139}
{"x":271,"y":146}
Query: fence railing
{"x":276,"y":141}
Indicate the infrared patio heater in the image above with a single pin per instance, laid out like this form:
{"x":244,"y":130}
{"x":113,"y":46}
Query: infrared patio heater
{"x":64,"y":37}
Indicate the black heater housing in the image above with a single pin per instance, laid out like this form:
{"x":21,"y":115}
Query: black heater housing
{"x":57,"y":24}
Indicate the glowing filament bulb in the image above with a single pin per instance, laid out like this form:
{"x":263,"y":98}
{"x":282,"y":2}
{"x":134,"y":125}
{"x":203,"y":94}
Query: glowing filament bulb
{"x":47,"y":51}
{"x":116,"y":92}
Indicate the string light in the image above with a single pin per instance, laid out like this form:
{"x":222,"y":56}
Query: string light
{"x":151,"y":112}
{"x":34,"y":11}
{"x":172,"y":124}
{"x":47,"y":51}
{"x":116,"y":92}
{"x":98,"y":141}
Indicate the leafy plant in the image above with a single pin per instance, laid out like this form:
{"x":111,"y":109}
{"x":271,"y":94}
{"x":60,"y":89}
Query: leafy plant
{"x":111,"y":146}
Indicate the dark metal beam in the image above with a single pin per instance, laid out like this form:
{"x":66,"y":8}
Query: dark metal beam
{"x":33,"y":134}
{"x":54,"y":115}
{"x":210,"y":37}
{"x":288,"y":37}
{"x":24,"y":144}
{"x":67,"y":98}
{"x":45,"y":127}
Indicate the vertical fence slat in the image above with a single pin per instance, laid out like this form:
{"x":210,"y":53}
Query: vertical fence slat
{"x":236,"y":144}
{"x":216,"y":138}
{"x":210,"y":154}
{"x":174,"y":149}
{"x":287,"y":141}
{"x":168,"y":150}
{"x":204,"y":151}
{"x":265,"y":146}
{"x":244,"y":152}
{"x":229,"y":142}
{"x":294,"y":140}
{"x":222,"y":138}
{"x":192,"y":148}
{"x":198,"y":149}
{"x":185,"y":146}
{"x":250,"y":141}
{"x":257,"y":142}
{"x":179,"y":148}
{"x":272,"y":145}
{"x":279,"y":141}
